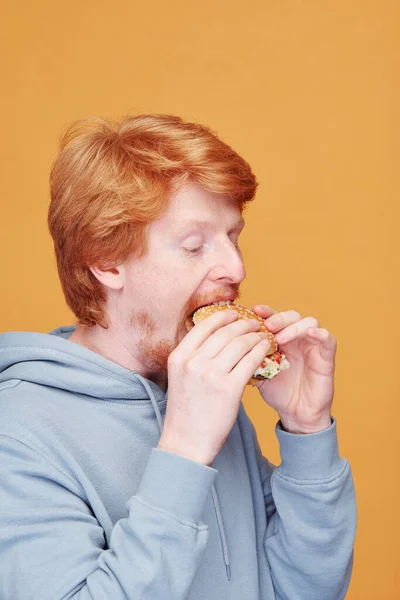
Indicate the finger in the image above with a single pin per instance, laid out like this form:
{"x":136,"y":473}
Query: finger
{"x":294,"y":331}
{"x":218,"y":340}
{"x":237,"y":348}
{"x":202,"y":330}
{"x":264,"y":311}
{"x":326,"y":341}
{"x":250,"y":362}
{"x":279,"y":321}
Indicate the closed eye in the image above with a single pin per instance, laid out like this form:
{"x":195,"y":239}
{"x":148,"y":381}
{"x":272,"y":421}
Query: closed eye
{"x":194,"y":251}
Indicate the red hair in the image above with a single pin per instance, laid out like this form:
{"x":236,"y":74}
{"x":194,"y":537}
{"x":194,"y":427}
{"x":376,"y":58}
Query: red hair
{"x":111,"y":180}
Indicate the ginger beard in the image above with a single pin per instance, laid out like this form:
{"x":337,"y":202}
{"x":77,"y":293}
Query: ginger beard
{"x":152,"y":353}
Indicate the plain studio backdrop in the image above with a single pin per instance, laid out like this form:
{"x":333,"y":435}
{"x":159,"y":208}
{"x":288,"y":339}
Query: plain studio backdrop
{"x":308,"y":93}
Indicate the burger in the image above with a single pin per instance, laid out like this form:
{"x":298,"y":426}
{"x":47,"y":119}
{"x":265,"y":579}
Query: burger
{"x":274,"y":362}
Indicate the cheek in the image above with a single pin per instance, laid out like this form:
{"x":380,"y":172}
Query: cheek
{"x":167,"y":290}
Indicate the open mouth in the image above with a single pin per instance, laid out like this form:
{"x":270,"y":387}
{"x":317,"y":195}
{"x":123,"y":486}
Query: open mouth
{"x":220,"y":303}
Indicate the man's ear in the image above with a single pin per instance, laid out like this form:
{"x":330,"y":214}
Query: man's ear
{"x":112,"y":278}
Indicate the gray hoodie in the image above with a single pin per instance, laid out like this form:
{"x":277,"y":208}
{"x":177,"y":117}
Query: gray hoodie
{"x":90,"y":508}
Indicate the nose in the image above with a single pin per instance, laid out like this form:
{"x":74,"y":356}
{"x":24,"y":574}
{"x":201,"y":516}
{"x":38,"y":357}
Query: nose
{"x":228,"y":263}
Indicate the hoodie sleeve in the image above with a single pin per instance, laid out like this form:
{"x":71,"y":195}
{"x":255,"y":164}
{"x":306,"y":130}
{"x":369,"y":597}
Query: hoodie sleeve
{"x":311,"y":516}
{"x":52,"y":546}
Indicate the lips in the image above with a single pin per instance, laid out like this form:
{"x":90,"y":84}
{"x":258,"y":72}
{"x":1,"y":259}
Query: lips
{"x":214,"y":301}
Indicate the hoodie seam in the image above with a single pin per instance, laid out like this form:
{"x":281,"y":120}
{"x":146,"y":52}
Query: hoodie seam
{"x":313,"y":482}
{"x":45,"y":456}
{"x":190,"y":524}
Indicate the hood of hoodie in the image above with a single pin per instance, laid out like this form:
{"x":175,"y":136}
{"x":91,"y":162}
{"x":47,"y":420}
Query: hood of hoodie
{"x":49,"y":359}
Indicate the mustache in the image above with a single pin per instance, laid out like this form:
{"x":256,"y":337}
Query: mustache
{"x":208,"y":299}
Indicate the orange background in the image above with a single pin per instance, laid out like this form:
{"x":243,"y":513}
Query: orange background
{"x":308,"y":93}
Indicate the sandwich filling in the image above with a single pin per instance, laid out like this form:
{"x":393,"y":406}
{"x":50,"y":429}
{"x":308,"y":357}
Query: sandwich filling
{"x":271,"y":366}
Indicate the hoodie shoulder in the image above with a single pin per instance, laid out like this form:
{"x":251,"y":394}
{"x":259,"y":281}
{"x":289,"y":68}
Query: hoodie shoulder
{"x":52,"y":361}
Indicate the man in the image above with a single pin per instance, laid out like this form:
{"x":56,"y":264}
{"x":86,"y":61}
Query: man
{"x":129,"y":468}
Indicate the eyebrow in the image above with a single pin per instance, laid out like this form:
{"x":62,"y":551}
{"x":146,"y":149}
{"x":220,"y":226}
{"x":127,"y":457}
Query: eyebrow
{"x":192,"y":223}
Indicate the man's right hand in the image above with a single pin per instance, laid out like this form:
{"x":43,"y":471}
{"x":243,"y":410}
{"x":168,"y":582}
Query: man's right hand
{"x":207,"y":375}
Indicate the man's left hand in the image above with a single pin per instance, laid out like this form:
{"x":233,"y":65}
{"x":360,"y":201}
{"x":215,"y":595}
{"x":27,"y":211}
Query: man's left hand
{"x":303,"y":394}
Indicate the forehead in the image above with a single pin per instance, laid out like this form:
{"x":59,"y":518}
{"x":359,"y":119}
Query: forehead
{"x":193,"y":207}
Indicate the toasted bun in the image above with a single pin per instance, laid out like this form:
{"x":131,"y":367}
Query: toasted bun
{"x":244,"y":313}
{"x":274,"y":361}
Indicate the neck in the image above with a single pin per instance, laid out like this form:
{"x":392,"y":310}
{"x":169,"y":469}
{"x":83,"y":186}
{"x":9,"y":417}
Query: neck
{"x":112,"y":346}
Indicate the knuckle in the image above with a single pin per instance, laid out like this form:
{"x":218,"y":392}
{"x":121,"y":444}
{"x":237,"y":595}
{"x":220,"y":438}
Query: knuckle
{"x":190,"y":365}
{"x":173,"y":359}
